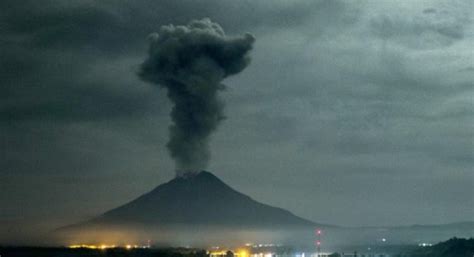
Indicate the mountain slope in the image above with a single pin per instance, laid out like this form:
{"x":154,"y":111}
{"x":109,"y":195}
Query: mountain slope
{"x":198,"y":199}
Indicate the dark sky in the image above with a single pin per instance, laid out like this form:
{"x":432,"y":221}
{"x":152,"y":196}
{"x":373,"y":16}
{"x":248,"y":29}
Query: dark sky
{"x":351,"y":112}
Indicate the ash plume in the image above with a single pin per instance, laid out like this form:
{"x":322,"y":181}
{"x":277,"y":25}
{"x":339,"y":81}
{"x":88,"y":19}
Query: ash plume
{"x":190,"y":62}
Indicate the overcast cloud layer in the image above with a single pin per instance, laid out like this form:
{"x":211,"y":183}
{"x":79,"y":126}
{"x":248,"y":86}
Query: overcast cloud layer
{"x":351,"y":113}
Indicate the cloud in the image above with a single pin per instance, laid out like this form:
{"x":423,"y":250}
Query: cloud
{"x":428,"y":29}
{"x":45,"y":45}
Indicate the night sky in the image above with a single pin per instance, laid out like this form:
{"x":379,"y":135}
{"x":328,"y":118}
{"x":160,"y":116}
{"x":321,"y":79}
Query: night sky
{"x":350,"y":113}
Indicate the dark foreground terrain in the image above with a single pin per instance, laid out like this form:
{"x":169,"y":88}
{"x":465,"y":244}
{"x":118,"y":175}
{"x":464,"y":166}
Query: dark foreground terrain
{"x":117,"y":252}
{"x":455,"y":247}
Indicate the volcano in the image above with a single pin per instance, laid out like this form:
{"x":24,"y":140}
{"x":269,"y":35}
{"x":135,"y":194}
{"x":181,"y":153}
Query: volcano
{"x":198,"y":199}
{"x":187,"y":205}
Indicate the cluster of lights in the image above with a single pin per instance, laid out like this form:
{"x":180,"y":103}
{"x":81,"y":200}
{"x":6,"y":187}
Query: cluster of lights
{"x":104,"y":246}
{"x":425,"y":244}
{"x":217,"y":253}
{"x":239,"y":253}
{"x":263,"y":245}
{"x":260,"y":250}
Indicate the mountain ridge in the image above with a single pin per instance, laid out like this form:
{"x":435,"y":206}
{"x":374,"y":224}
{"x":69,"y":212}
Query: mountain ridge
{"x":450,"y":225}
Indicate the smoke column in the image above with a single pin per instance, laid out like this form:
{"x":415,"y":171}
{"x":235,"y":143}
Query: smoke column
{"x":190,"y":62}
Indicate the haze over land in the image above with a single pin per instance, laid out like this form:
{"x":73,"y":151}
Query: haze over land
{"x":352,"y":113}
{"x":201,"y":210}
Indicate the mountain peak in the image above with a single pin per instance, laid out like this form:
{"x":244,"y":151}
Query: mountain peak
{"x":190,"y":184}
{"x":197,"y":175}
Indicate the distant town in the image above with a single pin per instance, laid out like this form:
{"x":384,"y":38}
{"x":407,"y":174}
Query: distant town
{"x":454,"y":247}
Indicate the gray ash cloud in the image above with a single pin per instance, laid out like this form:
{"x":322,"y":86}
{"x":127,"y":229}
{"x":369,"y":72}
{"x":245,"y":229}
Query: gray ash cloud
{"x":190,"y":62}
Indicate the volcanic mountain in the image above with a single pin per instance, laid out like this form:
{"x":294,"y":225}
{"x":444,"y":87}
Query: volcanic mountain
{"x":199,"y":199}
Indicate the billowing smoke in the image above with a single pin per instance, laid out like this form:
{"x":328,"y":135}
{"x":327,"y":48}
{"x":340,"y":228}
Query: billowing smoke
{"x":190,"y":62}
